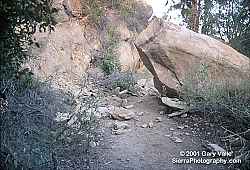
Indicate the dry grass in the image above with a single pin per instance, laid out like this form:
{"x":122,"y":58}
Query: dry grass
{"x":222,"y":102}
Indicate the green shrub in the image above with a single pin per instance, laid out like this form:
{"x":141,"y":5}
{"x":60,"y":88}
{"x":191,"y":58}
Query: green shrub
{"x":94,"y":9}
{"x":125,"y":7}
{"x":110,"y":63}
{"x":19,"y":21}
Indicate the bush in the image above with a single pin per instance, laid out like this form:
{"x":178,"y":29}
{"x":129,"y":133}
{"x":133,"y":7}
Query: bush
{"x":110,"y":63}
{"x":124,"y":80}
{"x":19,"y":21}
{"x":95,"y":9}
{"x":40,"y":130}
{"x":226,"y":103}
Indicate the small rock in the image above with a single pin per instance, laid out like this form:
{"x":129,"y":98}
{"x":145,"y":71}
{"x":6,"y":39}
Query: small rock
{"x":172,"y":129}
{"x":92,"y":144}
{"x":176,"y":114}
{"x":140,"y":114}
{"x":124,"y":102}
{"x":139,"y":101}
{"x":119,"y":131}
{"x":150,"y":125}
{"x":104,"y":111}
{"x":176,"y":139}
{"x":184,"y":115}
{"x":180,"y":127}
{"x":214,"y":148}
{"x":129,"y":106}
{"x":123,"y":92}
{"x":168,"y":135}
{"x":144,"y":125}
{"x":136,"y":118}
{"x":174,"y":102}
{"x":176,"y":133}
{"x":117,"y":91}
{"x":208,"y":133}
{"x":120,"y":125}
{"x":158,"y":119}
{"x":162,"y":112}
{"x":122,"y":114}
{"x":142,"y":82}
{"x":187,"y":134}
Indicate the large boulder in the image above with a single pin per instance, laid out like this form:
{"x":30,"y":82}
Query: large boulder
{"x":64,"y":54}
{"x":171,"y":53}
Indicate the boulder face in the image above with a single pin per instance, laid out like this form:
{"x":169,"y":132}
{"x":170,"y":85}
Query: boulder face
{"x":171,"y":53}
{"x":64,"y":54}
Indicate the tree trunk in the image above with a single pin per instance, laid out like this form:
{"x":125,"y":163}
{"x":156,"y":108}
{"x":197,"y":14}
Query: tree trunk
{"x":195,"y":16}
{"x":197,"y":24}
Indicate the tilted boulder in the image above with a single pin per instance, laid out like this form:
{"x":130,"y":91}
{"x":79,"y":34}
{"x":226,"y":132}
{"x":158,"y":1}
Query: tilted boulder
{"x":171,"y":52}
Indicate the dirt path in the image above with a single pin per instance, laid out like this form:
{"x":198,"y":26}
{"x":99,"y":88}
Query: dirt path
{"x":149,"y":148}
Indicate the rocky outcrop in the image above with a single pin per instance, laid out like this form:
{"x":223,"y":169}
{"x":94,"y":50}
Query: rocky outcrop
{"x":65,"y":53}
{"x":126,"y":52}
{"x":127,"y":28}
{"x":171,"y":53}
{"x":139,"y":20}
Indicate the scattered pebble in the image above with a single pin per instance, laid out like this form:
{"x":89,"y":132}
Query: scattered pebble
{"x":120,"y":125}
{"x":123,"y":92}
{"x":140,"y":113}
{"x":158,"y":119}
{"x":124,"y":102}
{"x":184,"y":115}
{"x":150,"y":124}
{"x":116,"y":91}
{"x":129,"y":106}
{"x":144,"y":125}
{"x":162,"y":112}
{"x":119,"y":131}
{"x":168,"y":135}
{"x":180,"y":127}
{"x":176,"y":139}
{"x":93,"y":144}
{"x":179,"y":113}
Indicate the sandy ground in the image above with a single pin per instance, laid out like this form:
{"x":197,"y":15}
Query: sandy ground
{"x":149,"y":148}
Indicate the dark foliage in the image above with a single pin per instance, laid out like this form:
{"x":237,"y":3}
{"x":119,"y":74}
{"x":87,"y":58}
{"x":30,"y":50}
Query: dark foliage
{"x":19,"y":19}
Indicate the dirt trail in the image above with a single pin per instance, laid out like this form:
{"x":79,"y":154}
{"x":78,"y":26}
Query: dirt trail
{"x":148,"y":148}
